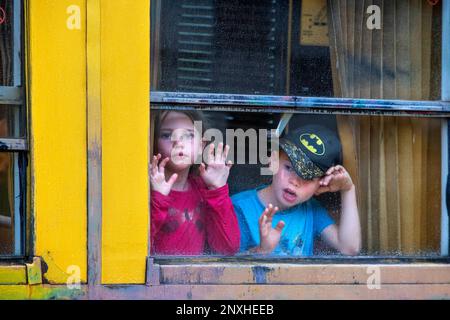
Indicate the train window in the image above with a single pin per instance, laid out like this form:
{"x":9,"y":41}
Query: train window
{"x":352,"y":49}
{"x":258,"y":73}
{"x":13,"y":142}
{"x":394,"y":164}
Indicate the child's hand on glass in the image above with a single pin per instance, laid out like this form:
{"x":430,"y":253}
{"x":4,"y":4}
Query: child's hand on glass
{"x":158,"y":179}
{"x":335,"y":179}
{"x":215,"y":172}
{"x":269,"y":236}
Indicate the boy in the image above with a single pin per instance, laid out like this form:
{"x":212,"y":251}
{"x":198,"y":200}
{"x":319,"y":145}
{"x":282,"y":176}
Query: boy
{"x":290,"y":217}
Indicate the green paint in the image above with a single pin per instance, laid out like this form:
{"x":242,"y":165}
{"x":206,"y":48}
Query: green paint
{"x":34,"y":272}
{"x":40,"y":292}
{"x":13,"y":275}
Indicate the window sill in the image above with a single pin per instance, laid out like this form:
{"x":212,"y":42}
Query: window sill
{"x":275,"y":273}
{"x":16,"y":274}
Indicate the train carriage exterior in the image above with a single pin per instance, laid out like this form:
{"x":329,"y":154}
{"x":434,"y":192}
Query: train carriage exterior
{"x":78,"y":99}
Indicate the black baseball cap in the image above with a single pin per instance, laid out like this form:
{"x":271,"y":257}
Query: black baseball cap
{"x":312,"y":149}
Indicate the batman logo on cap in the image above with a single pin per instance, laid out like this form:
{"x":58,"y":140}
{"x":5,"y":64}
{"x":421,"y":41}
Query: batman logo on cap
{"x":313,"y":143}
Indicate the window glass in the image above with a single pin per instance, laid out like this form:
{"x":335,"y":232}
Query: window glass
{"x":6,"y":43}
{"x":354,"y":49}
{"x":7,"y":204}
{"x":10,"y":119}
{"x":393,"y":163}
{"x":13,"y":144}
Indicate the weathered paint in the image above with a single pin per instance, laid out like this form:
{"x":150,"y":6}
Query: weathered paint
{"x":34,"y":271}
{"x":40,"y":292}
{"x":302,"y":274}
{"x":13,"y":275}
{"x":125,"y":222}
{"x":272,"y":292}
{"x":229,"y":292}
{"x":125,"y":83}
{"x":57,"y":87}
{"x":94,"y":142}
{"x":261,"y":103}
{"x":260,"y":273}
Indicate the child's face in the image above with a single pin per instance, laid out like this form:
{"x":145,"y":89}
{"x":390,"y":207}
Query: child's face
{"x":179,"y":141}
{"x":289,"y":189}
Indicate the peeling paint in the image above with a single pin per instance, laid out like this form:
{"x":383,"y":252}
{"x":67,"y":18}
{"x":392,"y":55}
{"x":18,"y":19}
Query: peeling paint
{"x":260,"y":273}
{"x":40,"y":292}
{"x":34,"y":271}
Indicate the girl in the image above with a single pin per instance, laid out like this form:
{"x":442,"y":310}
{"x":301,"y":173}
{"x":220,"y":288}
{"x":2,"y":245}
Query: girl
{"x":191,"y":210}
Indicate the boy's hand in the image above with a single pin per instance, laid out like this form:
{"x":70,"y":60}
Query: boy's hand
{"x":158,"y":179}
{"x":336,"y":179}
{"x":215,"y":175}
{"x":269,"y":237}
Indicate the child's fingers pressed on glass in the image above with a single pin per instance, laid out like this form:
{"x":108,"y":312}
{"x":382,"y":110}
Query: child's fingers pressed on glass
{"x":225,"y":153}
{"x":331,"y":170}
{"x":162,"y":165}
{"x":271,"y":212}
{"x":219,"y":152}
{"x":280,"y":226}
{"x":263,"y":220}
{"x":202,"y":168}
{"x":154,"y":162}
{"x":210,"y":157}
{"x":153,"y":167}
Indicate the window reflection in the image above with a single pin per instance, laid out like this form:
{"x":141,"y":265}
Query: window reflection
{"x":394,"y":163}
{"x":303,"y":48}
{"x":6,"y":204}
{"x":6,"y":43}
{"x":9,"y":115}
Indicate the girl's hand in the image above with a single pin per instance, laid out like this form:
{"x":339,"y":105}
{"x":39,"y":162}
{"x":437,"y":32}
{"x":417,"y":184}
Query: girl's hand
{"x":269,"y":237}
{"x":215,"y":175}
{"x":158,"y":179}
{"x":336,"y":179}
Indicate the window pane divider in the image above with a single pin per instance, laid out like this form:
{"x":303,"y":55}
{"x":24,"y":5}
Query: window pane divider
{"x":7,"y":144}
{"x":328,"y":259}
{"x":262,"y":103}
{"x":445,"y":89}
{"x":17,"y":11}
{"x":11,"y":95}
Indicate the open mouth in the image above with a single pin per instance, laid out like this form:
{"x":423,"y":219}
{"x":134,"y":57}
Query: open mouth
{"x":289,"y":195}
{"x":179,"y":154}
{"x":180,"y":157}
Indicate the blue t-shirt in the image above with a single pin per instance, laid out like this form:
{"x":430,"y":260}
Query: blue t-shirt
{"x":303,"y":223}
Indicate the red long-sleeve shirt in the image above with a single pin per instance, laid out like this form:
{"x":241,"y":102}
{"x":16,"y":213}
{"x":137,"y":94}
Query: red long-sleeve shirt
{"x":183,"y":222}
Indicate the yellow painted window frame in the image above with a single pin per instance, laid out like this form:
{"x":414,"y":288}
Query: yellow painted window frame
{"x":55,"y":120}
{"x":114,"y":92}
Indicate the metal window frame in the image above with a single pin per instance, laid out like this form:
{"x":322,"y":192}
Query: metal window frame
{"x":445,"y":133}
{"x":328,"y":259}
{"x":13,"y":96}
{"x":160,"y":100}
